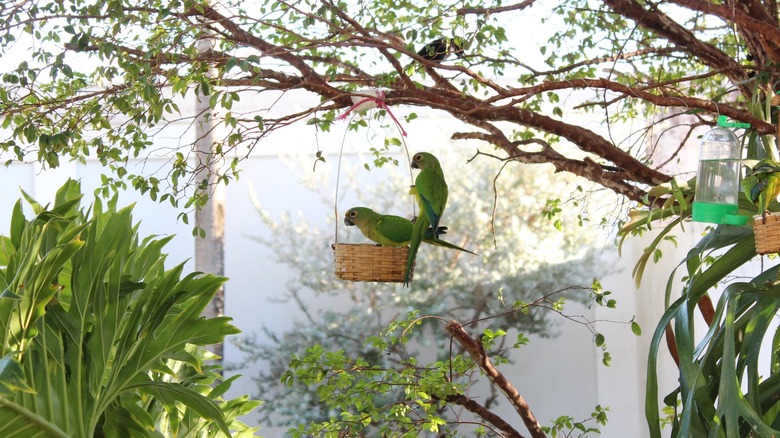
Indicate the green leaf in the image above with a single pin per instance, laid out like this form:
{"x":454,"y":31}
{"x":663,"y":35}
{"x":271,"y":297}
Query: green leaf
{"x":7,"y":294}
{"x":170,"y":394}
{"x":17,"y":224}
{"x":17,"y":418}
{"x":12,"y":378}
{"x":96,"y":316}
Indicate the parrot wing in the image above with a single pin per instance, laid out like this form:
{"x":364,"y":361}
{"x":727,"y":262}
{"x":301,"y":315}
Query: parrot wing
{"x":395,"y":229}
{"x":748,"y":184}
{"x":755,"y":191}
{"x":430,"y":211}
{"x":431,"y":192}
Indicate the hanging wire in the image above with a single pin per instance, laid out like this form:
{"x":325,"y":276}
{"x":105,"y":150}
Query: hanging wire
{"x":411,"y":175}
{"x":380,"y":103}
{"x":338,"y":178}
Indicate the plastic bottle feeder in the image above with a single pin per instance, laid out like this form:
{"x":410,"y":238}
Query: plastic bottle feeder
{"x":717,"y":183}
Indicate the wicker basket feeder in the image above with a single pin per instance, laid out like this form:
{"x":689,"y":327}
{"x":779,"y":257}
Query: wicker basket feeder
{"x":368,"y":262}
{"x":767,"y":233}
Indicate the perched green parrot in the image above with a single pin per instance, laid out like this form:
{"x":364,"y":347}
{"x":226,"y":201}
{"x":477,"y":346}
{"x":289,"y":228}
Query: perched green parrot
{"x":431,"y":192}
{"x":390,"y":230}
{"x":761,"y":184}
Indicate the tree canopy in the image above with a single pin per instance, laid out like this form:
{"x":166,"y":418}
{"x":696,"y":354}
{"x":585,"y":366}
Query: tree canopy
{"x":102,"y":79}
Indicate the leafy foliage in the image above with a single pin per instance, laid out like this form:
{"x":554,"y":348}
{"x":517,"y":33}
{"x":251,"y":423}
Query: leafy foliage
{"x":108,"y":79}
{"x":111,"y":80}
{"x":723,"y":389}
{"x":98,"y":338}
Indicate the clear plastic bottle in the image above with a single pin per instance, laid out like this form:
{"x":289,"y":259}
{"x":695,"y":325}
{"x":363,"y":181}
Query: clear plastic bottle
{"x":717,"y":183}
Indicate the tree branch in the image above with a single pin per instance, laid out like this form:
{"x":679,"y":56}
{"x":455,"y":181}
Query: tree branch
{"x":661,"y":24}
{"x":660,"y":99}
{"x":477,"y":352}
{"x":498,"y":9}
{"x":311,"y":80}
{"x":482,"y":412}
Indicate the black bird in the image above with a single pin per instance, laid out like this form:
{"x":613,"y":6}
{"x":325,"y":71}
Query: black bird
{"x":438,"y":50}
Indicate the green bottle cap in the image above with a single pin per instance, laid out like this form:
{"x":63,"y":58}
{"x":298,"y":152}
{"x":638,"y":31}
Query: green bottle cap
{"x":723,"y":121}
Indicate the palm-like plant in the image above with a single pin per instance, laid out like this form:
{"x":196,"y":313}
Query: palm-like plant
{"x":98,"y":338}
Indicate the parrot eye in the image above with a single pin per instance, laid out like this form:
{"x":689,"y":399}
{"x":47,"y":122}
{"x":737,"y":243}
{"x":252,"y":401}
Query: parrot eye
{"x":418,"y":157}
{"x":352,"y":213}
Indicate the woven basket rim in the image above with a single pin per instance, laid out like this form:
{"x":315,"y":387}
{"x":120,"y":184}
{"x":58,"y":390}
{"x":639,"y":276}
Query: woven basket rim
{"x":371,"y":262}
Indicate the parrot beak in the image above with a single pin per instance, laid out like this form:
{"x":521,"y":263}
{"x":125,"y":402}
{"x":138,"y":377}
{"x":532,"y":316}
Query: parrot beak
{"x":348,"y":222}
{"x":414,"y":165}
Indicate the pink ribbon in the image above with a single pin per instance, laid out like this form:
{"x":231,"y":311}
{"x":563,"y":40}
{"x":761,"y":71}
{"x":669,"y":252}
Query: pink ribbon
{"x":379,"y":101}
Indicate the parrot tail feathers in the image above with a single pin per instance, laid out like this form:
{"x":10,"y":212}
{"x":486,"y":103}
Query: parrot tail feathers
{"x":410,"y":263}
{"x":414,"y":244}
{"x":445,"y":244}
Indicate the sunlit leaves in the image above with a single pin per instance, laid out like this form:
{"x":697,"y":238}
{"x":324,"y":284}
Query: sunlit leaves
{"x":489,"y":337}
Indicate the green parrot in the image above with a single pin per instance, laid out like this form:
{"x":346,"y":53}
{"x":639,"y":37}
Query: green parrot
{"x":431,"y":192}
{"x":761,"y":184}
{"x":390,"y":230}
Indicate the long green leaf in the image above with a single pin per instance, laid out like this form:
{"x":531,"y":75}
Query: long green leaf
{"x":22,"y":422}
{"x":651,"y":394}
{"x":170,"y":394}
